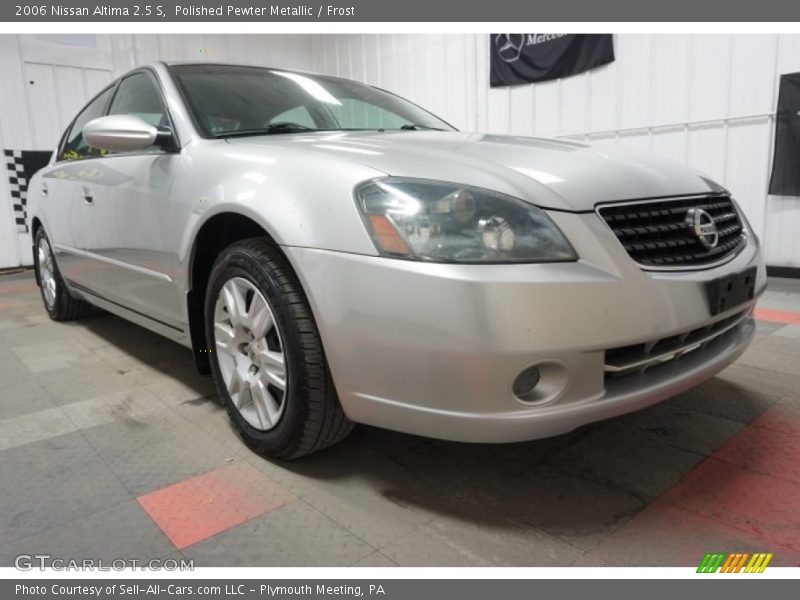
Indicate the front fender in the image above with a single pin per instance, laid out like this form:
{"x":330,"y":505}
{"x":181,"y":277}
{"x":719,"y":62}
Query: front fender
{"x":296,"y":200}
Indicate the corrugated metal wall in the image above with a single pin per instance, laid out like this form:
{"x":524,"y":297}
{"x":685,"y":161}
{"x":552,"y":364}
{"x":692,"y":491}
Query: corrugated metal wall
{"x":705,"y":100}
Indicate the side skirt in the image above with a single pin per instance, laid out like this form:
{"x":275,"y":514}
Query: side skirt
{"x":168,"y":331}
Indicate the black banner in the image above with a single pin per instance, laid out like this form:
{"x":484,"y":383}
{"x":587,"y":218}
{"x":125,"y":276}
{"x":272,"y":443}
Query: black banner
{"x":785,"y":180}
{"x":519,"y":58}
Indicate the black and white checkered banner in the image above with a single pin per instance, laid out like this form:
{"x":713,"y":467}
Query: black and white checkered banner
{"x":22,"y":164}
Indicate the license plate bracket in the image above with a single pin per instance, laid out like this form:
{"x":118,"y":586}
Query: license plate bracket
{"x":730,"y":291}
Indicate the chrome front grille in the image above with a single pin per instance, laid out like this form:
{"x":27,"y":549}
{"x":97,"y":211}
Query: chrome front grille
{"x":636,"y":358}
{"x":659,"y":233}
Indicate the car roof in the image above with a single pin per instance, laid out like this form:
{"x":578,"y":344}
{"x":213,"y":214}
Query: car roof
{"x":201,"y":63}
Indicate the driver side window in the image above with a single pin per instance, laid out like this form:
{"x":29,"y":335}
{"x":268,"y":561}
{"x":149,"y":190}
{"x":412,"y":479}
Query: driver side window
{"x":74,"y":146}
{"x":137,"y":95}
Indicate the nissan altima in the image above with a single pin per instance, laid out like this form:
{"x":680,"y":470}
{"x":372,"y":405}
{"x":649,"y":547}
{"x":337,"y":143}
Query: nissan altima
{"x":334,"y":254}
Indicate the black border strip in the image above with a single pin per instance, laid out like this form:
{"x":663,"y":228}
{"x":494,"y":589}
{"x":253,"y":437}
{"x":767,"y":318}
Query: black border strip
{"x":789,"y":272}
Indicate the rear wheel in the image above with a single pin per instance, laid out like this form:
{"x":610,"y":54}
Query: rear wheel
{"x":58,"y":302}
{"x":267,"y":357}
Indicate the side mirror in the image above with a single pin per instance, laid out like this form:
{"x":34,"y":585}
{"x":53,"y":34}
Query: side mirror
{"x":121,"y":133}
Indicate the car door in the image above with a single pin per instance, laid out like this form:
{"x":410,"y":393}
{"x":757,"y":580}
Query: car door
{"x":125,"y":202}
{"x":62,"y":210}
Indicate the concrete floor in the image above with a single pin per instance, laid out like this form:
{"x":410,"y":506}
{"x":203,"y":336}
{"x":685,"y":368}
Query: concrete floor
{"x":112,"y":447}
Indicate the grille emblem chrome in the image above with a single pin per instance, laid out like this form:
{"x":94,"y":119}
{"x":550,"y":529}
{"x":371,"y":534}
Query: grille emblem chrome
{"x":703,"y":226}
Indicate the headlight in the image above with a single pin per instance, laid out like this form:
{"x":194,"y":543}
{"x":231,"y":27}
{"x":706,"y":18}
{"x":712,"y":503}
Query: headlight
{"x":444,"y":222}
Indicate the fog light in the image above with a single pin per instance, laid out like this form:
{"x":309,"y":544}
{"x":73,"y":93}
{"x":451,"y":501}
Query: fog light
{"x":526,"y":382}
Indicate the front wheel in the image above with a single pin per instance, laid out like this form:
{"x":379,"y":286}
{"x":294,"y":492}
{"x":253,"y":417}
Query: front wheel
{"x":267,"y":357}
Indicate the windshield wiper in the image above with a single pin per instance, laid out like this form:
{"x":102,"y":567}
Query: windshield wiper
{"x":417,"y":126}
{"x":287,"y":127}
{"x":271,"y":129}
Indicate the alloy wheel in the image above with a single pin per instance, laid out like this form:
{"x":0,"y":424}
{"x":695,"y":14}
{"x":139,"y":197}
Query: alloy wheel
{"x":250,"y":352}
{"x":47,"y":278}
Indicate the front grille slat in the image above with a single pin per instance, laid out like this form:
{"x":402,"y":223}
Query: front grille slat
{"x":637,"y":358}
{"x":656,"y":233}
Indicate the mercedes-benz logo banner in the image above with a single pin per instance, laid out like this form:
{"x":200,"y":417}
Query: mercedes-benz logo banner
{"x":519,"y":58}
{"x":785,"y":180}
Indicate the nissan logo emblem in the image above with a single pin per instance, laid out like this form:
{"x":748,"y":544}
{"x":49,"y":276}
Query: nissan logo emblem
{"x":703,"y":227}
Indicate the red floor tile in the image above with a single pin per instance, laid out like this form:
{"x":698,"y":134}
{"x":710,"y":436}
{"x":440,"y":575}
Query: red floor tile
{"x":16,"y":287}
{"x":770,"y":450}
{"x":195,"y":509}
{"x":745,"y":498}
{"x":666,"y":535}
{"x":784,"y":416}
{"x":777,"y":316}
{"x":753,"y":502}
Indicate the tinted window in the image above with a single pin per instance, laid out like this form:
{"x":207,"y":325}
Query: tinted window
{"x":137,"y":95}
{"x":298,"y":115}
{"x":354,"y":114}
{"x":225,"y":99}
{"x":75,"y":146}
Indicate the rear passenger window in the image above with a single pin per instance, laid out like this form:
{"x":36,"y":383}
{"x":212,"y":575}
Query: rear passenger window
{"x":137,"y":95}
{"x":74,"y":144}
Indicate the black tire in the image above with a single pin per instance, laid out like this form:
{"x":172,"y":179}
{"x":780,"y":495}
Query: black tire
{"x":63,"y":306}
{"x":312,"y":418}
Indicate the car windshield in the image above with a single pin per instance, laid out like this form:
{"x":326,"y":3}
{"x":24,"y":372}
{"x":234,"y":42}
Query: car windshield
{"x":231,"y":100}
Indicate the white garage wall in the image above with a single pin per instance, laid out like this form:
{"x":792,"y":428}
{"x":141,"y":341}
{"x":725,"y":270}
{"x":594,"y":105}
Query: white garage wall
{"x":705,"y":100}
{"x":48,"y":78}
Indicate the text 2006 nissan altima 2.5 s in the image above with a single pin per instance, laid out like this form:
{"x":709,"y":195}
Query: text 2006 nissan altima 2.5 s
{"x":334,"y":254}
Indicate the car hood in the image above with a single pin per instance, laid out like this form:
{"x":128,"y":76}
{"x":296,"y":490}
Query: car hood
{"x":549,"y":173}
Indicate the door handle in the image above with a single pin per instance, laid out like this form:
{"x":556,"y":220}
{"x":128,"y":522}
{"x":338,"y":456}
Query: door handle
{"x":88,"y":196}
{"x":44,"y":189}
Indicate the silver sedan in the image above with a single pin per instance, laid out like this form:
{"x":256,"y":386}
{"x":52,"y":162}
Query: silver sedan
{"x":334,"y":254}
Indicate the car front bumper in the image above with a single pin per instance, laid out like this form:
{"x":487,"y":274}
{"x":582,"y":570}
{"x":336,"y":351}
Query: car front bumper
{"x":433,"y":349}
